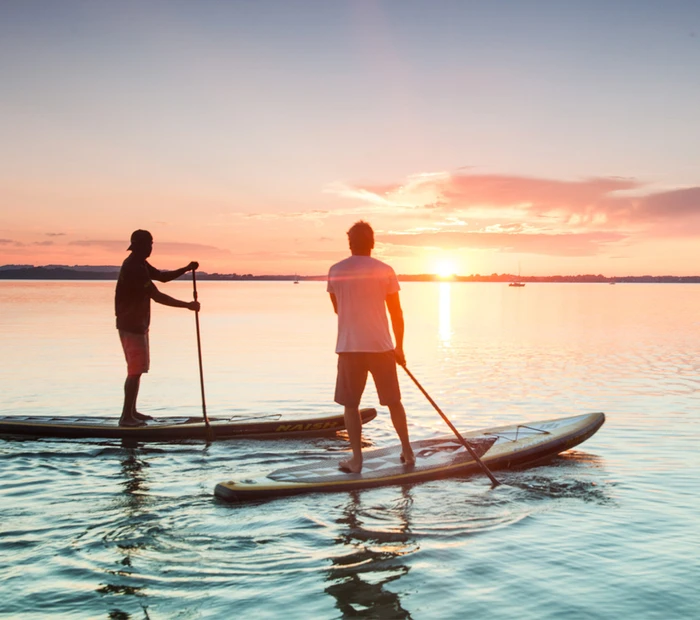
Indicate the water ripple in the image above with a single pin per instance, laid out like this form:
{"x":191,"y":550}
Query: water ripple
{"x":97,"y":528}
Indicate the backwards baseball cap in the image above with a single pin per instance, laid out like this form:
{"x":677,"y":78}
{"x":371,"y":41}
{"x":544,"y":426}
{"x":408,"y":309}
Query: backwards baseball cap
{"x":140,"y":238}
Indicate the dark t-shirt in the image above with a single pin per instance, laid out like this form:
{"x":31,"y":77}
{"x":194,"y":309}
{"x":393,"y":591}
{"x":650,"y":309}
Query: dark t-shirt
{"x":132,"y":298}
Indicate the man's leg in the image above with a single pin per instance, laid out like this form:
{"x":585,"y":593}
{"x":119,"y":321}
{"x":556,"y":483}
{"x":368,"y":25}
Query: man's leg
{"x":349,"y":385}
{"x":383,"y":369}
{"x":131,"y":392}
{"x":137,"y":354}
{"x":353,"y":423}
{"x":398,"y":419}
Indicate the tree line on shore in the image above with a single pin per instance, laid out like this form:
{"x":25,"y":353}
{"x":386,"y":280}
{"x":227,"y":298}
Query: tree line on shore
{"x":61,"y":272}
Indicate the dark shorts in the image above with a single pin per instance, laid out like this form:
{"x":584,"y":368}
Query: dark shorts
{"x":136,"y":352}
{"x":352,"y":377}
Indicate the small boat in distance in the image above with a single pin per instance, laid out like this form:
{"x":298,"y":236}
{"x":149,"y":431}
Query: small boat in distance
{"x":296,"y":279}
{"x":517,"y":282}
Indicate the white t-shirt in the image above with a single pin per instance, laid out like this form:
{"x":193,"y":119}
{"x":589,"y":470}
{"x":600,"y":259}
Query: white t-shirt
{"x":361,"y":285}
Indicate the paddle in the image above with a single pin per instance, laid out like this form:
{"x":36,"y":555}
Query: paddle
{"x":199,"y":351}
{"x":464,"y":442}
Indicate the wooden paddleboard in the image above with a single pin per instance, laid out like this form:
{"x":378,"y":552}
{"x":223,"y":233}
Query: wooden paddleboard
{"x":500,"y":447}
{"x":273,"y":426}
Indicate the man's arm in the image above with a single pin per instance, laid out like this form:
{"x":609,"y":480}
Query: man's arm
{"x":166,"y":300}
{"x":167,"y":276}
{"x":393,"y":304}
{"x":334,"y":301}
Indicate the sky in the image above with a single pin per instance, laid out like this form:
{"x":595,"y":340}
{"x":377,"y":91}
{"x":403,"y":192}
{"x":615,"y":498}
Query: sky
{"x":477,"y":137}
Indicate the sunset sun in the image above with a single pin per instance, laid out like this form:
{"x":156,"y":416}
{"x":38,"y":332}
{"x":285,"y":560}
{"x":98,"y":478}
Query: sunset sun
{"x":445,"y":269}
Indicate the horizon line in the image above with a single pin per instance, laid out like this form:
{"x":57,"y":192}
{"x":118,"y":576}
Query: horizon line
{"x":107,"y":271}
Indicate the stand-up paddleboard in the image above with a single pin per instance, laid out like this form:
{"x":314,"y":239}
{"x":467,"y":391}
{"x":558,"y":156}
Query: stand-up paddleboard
{"x":502,"y":447}
{"x":273,"y":426}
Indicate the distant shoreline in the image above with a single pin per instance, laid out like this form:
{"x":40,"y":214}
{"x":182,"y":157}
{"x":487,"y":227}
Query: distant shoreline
{"x":59,"y":272}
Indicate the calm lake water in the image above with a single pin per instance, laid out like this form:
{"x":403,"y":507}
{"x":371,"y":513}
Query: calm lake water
{"x":94,"y":529}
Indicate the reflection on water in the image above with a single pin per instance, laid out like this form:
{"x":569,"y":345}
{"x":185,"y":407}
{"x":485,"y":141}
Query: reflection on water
{"x":132,"y":468}
{"x":445,"y":313}
{"x":96,"y":529}
{"x":128,"y":535}
{"x":375,"y":557}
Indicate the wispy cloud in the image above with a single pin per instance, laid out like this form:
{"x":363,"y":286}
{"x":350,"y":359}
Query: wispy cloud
{"x":417,"y":191}
{"x":315,"y":214}
{"x":110,"y":245}
{"x":164,"y":247}
{"x":324,"y":255}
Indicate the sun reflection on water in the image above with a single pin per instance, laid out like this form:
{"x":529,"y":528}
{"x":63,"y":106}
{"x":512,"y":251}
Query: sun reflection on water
{"x":445,"y":313}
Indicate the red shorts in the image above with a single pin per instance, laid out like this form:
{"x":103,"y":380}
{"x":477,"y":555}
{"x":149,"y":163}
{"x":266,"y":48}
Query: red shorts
{"x":136,"y":352}
{"x":352,"y":377}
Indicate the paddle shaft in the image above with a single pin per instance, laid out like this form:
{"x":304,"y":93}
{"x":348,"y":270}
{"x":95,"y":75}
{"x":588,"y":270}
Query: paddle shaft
{"x":199,"y":349}
{"x":464,"y":442}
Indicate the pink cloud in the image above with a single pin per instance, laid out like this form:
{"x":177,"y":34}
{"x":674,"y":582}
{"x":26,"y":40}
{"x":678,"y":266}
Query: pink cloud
{"x":597,"y":203}
{"x":540,"y":194}
{"x":485,"y":196}
{"x":680,"y":203}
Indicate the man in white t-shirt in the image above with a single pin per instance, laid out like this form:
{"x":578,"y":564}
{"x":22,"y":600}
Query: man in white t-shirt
{"x":362,"y":288}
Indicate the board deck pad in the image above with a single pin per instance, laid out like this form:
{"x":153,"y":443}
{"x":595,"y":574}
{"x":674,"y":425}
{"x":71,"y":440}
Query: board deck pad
{"x":385,"y":462}
{"x":503,"y":447}
{"x":102,"y":421}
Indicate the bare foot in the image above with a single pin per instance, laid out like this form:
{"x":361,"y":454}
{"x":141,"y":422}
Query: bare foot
{"x":142,"y":416}
{"x":410,"y":460}
{"x":350,"y":466}
{"x":131,"y":422}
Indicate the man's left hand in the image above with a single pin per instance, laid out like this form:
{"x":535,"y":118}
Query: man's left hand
{"x":400,"y":357}
{"x":192,"y":266}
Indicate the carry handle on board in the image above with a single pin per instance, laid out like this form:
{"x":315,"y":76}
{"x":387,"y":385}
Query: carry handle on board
{"x":464,"y":442}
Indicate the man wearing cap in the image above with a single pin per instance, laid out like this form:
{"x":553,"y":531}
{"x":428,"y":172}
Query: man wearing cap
{"x":132,"y":303}
{"x":362,"y":289}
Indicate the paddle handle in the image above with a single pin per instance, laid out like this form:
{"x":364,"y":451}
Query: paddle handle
{"x":199,"y":349}
{"x":464,"y":442}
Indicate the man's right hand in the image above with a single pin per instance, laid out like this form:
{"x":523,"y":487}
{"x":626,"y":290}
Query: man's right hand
{"x":400,"y":357}
{"x":192,"y":266}
{"x":193,"y":305}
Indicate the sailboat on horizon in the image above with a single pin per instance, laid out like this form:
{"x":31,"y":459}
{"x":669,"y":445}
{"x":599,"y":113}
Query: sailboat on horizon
{"x":517,"y":282}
